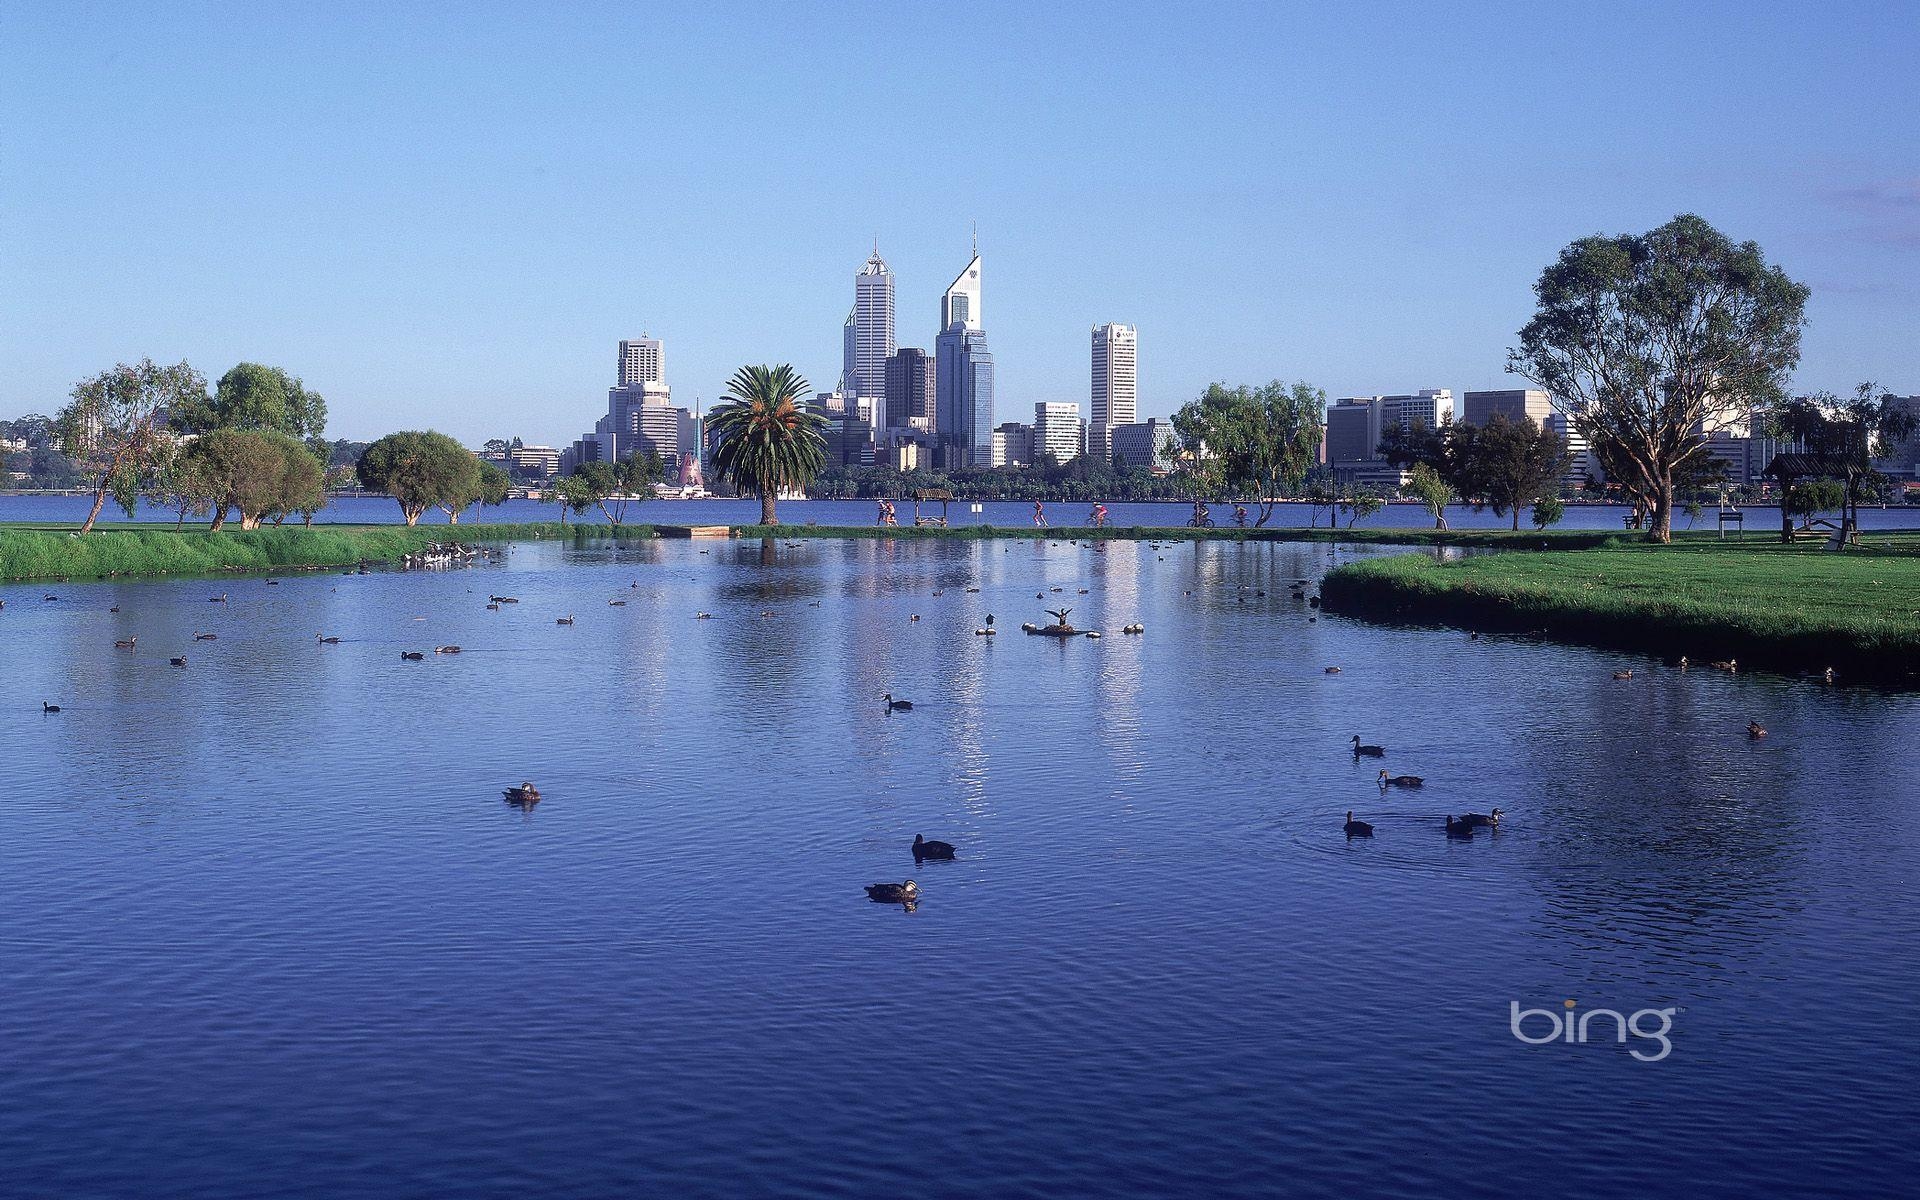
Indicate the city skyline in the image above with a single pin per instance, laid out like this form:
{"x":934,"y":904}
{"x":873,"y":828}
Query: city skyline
{"x":461,"y":247}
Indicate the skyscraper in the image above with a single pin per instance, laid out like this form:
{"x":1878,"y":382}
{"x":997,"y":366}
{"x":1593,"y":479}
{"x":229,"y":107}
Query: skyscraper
{"x":641,"y":361}
{"x":1115,"y":348}
{"x":910,"y":392}
{"x":872,"y":320}
{"x":1478,"y":408}
{"x":1056,"y":430}
{"x":963,"y":376}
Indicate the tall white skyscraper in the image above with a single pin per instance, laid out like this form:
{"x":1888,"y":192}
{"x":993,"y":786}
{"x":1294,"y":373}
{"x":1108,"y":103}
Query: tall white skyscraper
{"x":1056,"y":430}
{"x":1115,"y":348}
{"x":640,"y":362}
{"x":963,"y":376}
{"x":872,"y":328}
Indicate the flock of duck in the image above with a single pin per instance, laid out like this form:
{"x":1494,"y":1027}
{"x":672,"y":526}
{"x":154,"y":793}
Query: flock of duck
{"x":1463,"y":827}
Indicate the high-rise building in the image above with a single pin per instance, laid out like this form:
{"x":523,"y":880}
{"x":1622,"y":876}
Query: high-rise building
{"x":1115,"y":349}
{"x":910,"y":391}
{"x":1477,"y":408}
{"x":641,"y":361}
{"x":872,"y":320}
{"x":1353,"y":430}
{"x":963,"y":376}
{"x":1057,"y":431}
{"x":1428,"y":407}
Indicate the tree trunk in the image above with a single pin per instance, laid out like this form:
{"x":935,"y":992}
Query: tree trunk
{"x":99,"y":502}
{"x":411,"y":514}
{"x":1516,"y":518}
{"x":1266,"y":511}
{"x":767,"y":514}
{"x":1660,"y":527}
{"x":1439,"y":518}
{"x":219,"y":519}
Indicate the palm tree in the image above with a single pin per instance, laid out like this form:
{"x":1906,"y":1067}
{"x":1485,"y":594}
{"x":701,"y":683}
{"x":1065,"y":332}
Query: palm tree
{"x":764,"y":440}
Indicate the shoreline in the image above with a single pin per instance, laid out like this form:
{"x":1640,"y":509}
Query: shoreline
{"x":1784,"y":609}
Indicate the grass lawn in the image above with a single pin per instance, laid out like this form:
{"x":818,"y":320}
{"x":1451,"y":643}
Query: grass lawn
{"x":1798,"y":607}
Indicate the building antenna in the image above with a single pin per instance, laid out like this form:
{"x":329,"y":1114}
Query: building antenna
{"x":976,"y":239}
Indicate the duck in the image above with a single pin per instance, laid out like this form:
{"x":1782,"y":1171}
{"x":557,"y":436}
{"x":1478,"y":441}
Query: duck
{"x":220,"y":599}
{"x":1684,"y":663}
{"x":206,"y":637}
{"x":1368,"y":751}
{"x":1136,"y":627}
{"x":925,"y":849}
{"x":1354,"y":829}
{"x":894,"y":893}
{"x":446,"y":649}
{"x":1400,"y":781}
{"x":49,"y":708}
{"x":1731,"y":666}
{"x":178,"y":662}
{"x":1756,"y":730}
{"x":896,"y":705}
{"x":914,"y":617}
{"x":703,"y":616}
{"x":1481,"y":820}
{"x":616,"y":604}
{"x":1331,"y":671}
{"x":524,"y":795}
{"x":1623,"y":674}
{"x":49,"y":597}
{"x":1827,"y":676}
{"x":412,"y":655}
{"x":493,"y":606}
{"x":126,"y":643}
{"x":566,"y":620}
{"x":1458,"y":829}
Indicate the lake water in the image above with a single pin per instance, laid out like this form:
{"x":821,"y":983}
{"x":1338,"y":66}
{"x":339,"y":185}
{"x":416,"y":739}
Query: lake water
{"x":268,"y":929}
{"x":380,"y":510}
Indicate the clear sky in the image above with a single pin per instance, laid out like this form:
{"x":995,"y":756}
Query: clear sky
{"x":447,"y":216}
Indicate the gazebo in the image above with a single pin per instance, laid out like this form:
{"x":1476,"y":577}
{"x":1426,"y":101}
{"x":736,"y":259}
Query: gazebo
{"x":929,"y":495}
{"x":1788,"y":468}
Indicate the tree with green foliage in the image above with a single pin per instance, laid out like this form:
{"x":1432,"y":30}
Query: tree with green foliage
{"x":1359,"y":503}
{"x":180,"y":483}
{"x":1849,"y":432}
{"x":1513,"y":463}
{"x":262,"y":473}
{"x":1810,"y":499}
{"x":489,"y":486}
{"x":571,"y":493}
{"x":1319,"y":491}
{"x":258,"y":398}
{"x":1548,"y":511}
{"x":765,"y":441}
{"x":1641,"y":338}
{"x":1426,"y":486}
{"x":613,"y":486}
{"x":1257,"y":442}
{"x":116,"y":425}
{"x":419,"y":469}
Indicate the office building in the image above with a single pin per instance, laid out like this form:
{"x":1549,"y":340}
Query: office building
{"x":1429,"y":407}
{"x":533,"y":462}
{"x":1146,"y":444}
{"x":1353,"y":431}
{"x":1115,"y":354}
{"x":871,"y":327}
{"x":641,"y":416}
{"x":963,"y":377}
{"x":1012,"y":445}
{"x":910,"y":390}
{"x":1056,"y":431}
{"x":1477,"y":408}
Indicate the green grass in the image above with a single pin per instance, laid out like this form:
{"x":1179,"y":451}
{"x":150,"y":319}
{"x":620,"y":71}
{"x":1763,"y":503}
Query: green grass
{"x":59,"y":552}
{"x":1772,"y":606}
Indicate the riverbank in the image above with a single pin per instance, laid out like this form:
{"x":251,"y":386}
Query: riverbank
{"x":1563,"y":539}
{"x":60,"y":552}
{"x":1776,"y":607}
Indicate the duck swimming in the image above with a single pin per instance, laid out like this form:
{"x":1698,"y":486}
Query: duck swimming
{"x":896,"y":705}
{"x":925,"y":849}
{"x":412,"y":655}
{"x":1368,"y":751}
{"x":1354,"y":829}
{"x":1481,"y":820}
{"x":49,"y":708}
{"x":178,"y":662}
{"x":1756,"y":730}
{"x":523,"y":796}
{"x":327,"y":641}
{"x":126,"y":643}
{"x":1400,"y":781}
{"x":1458,"y":829}
{"x":894,"y":893}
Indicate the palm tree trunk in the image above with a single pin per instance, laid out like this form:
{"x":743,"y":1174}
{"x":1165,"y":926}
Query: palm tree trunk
{"x":767,"y":498}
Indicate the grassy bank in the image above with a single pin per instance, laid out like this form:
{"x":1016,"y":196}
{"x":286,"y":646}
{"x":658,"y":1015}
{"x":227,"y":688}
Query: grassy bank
{"x":59,"y":552}
{"x":1774,"y":607}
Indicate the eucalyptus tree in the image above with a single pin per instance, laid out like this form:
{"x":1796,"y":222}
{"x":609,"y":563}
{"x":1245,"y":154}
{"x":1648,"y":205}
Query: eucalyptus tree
{"x":1643,"y":339}
{"x":116,"y":427}
{"x":419,"y":469}
{"x":1252,"y":441}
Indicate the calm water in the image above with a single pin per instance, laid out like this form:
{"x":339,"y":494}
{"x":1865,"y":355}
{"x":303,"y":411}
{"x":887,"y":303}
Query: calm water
{"x":366,"y":509}
{"x":269,"y":929}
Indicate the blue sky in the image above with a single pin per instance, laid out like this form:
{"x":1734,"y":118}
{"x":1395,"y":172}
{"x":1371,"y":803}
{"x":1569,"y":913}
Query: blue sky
{"x":446,"y":216}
